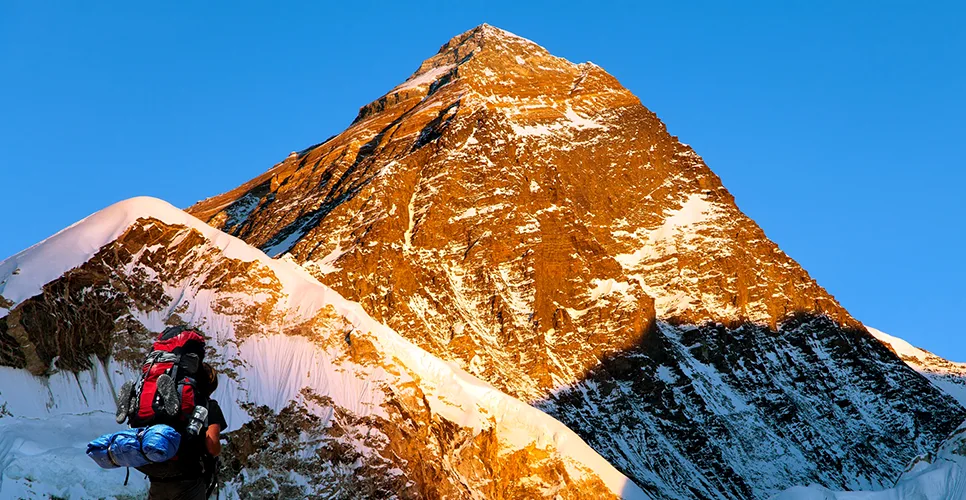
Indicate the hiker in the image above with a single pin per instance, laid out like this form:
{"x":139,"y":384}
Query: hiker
{"x":198,"y":478}
{"x":175,"y":427}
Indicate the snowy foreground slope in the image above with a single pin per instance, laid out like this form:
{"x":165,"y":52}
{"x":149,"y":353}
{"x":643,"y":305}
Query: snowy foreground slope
{"x":320,"y":398}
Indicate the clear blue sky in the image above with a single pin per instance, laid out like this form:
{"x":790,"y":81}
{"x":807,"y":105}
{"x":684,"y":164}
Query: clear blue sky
{"x":838,"y":126}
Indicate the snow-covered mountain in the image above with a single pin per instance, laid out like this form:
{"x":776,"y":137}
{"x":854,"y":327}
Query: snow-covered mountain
{"x":320,"y":398}
{"x":939,"y":475}
{"x":530,"y":220}
{"x":504,"y":220}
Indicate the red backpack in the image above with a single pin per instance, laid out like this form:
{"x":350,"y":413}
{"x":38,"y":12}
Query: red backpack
{"x":166,"y":391}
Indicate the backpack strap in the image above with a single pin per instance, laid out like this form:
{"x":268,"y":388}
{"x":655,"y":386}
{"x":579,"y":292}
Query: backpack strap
{"x":110,"y":454}
{"x":140,"y":437}
{"x":162,"y":357}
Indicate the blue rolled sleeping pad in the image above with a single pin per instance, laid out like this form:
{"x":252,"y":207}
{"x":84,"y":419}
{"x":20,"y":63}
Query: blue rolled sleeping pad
{"x":135,"y":447}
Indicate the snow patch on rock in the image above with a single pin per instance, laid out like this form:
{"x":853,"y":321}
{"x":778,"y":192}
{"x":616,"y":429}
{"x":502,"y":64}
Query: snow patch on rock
{"x":680,"y":227}
{"x":425,"y":78}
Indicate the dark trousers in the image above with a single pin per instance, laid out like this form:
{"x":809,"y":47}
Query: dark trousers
{"x":189,"y":489}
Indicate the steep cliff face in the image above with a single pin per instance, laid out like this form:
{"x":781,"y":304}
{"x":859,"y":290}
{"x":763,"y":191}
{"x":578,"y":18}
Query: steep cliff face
{"x":712,"y":412}
{"x":321,"y":399}
{"x":531,"y":220}
{"x":939,"y":474}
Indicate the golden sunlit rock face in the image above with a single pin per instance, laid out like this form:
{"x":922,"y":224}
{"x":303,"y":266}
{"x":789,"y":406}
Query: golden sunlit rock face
{"x":529,"y":219}
{"x":504,"y":201}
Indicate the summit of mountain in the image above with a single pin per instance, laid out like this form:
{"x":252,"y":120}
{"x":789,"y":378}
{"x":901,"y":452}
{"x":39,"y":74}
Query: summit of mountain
{"x":566,"y":194}
{"x":531,"y":220}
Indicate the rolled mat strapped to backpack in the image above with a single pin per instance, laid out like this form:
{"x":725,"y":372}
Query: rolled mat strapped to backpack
{"x":135,"y":447}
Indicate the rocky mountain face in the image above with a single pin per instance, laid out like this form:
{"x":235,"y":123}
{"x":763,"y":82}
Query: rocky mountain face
{"x":949,"y":376}
{"x":938,"y":475}
{"x":322,"y":400}
{"x":504,"y":198}
{"x":530,"y":220}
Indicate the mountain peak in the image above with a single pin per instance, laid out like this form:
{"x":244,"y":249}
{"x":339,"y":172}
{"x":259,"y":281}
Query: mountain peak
{"x":488,"y":31}
{"x":525,"y":219}
{"x":487,"y":37}
{"x":497,"y":48}
{"x":487,"y":67}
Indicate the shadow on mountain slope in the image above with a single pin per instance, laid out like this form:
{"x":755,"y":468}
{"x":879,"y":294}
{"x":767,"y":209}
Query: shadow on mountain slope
{"x":712,"y":412}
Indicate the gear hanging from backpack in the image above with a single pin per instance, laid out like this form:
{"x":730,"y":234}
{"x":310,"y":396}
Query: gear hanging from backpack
{"x":165,"y":393}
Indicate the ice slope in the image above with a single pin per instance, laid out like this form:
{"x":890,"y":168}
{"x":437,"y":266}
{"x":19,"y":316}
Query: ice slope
{"x":939,"y":477}
{"x":62,"y":402}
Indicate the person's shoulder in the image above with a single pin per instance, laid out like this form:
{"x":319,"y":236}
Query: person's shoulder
{"x":214,"y":407}
{"x":215,"y":415}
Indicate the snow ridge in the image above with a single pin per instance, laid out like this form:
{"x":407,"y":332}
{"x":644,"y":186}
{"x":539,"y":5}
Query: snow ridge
{"x":278,"y":360}
{"x":948,"y":376}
